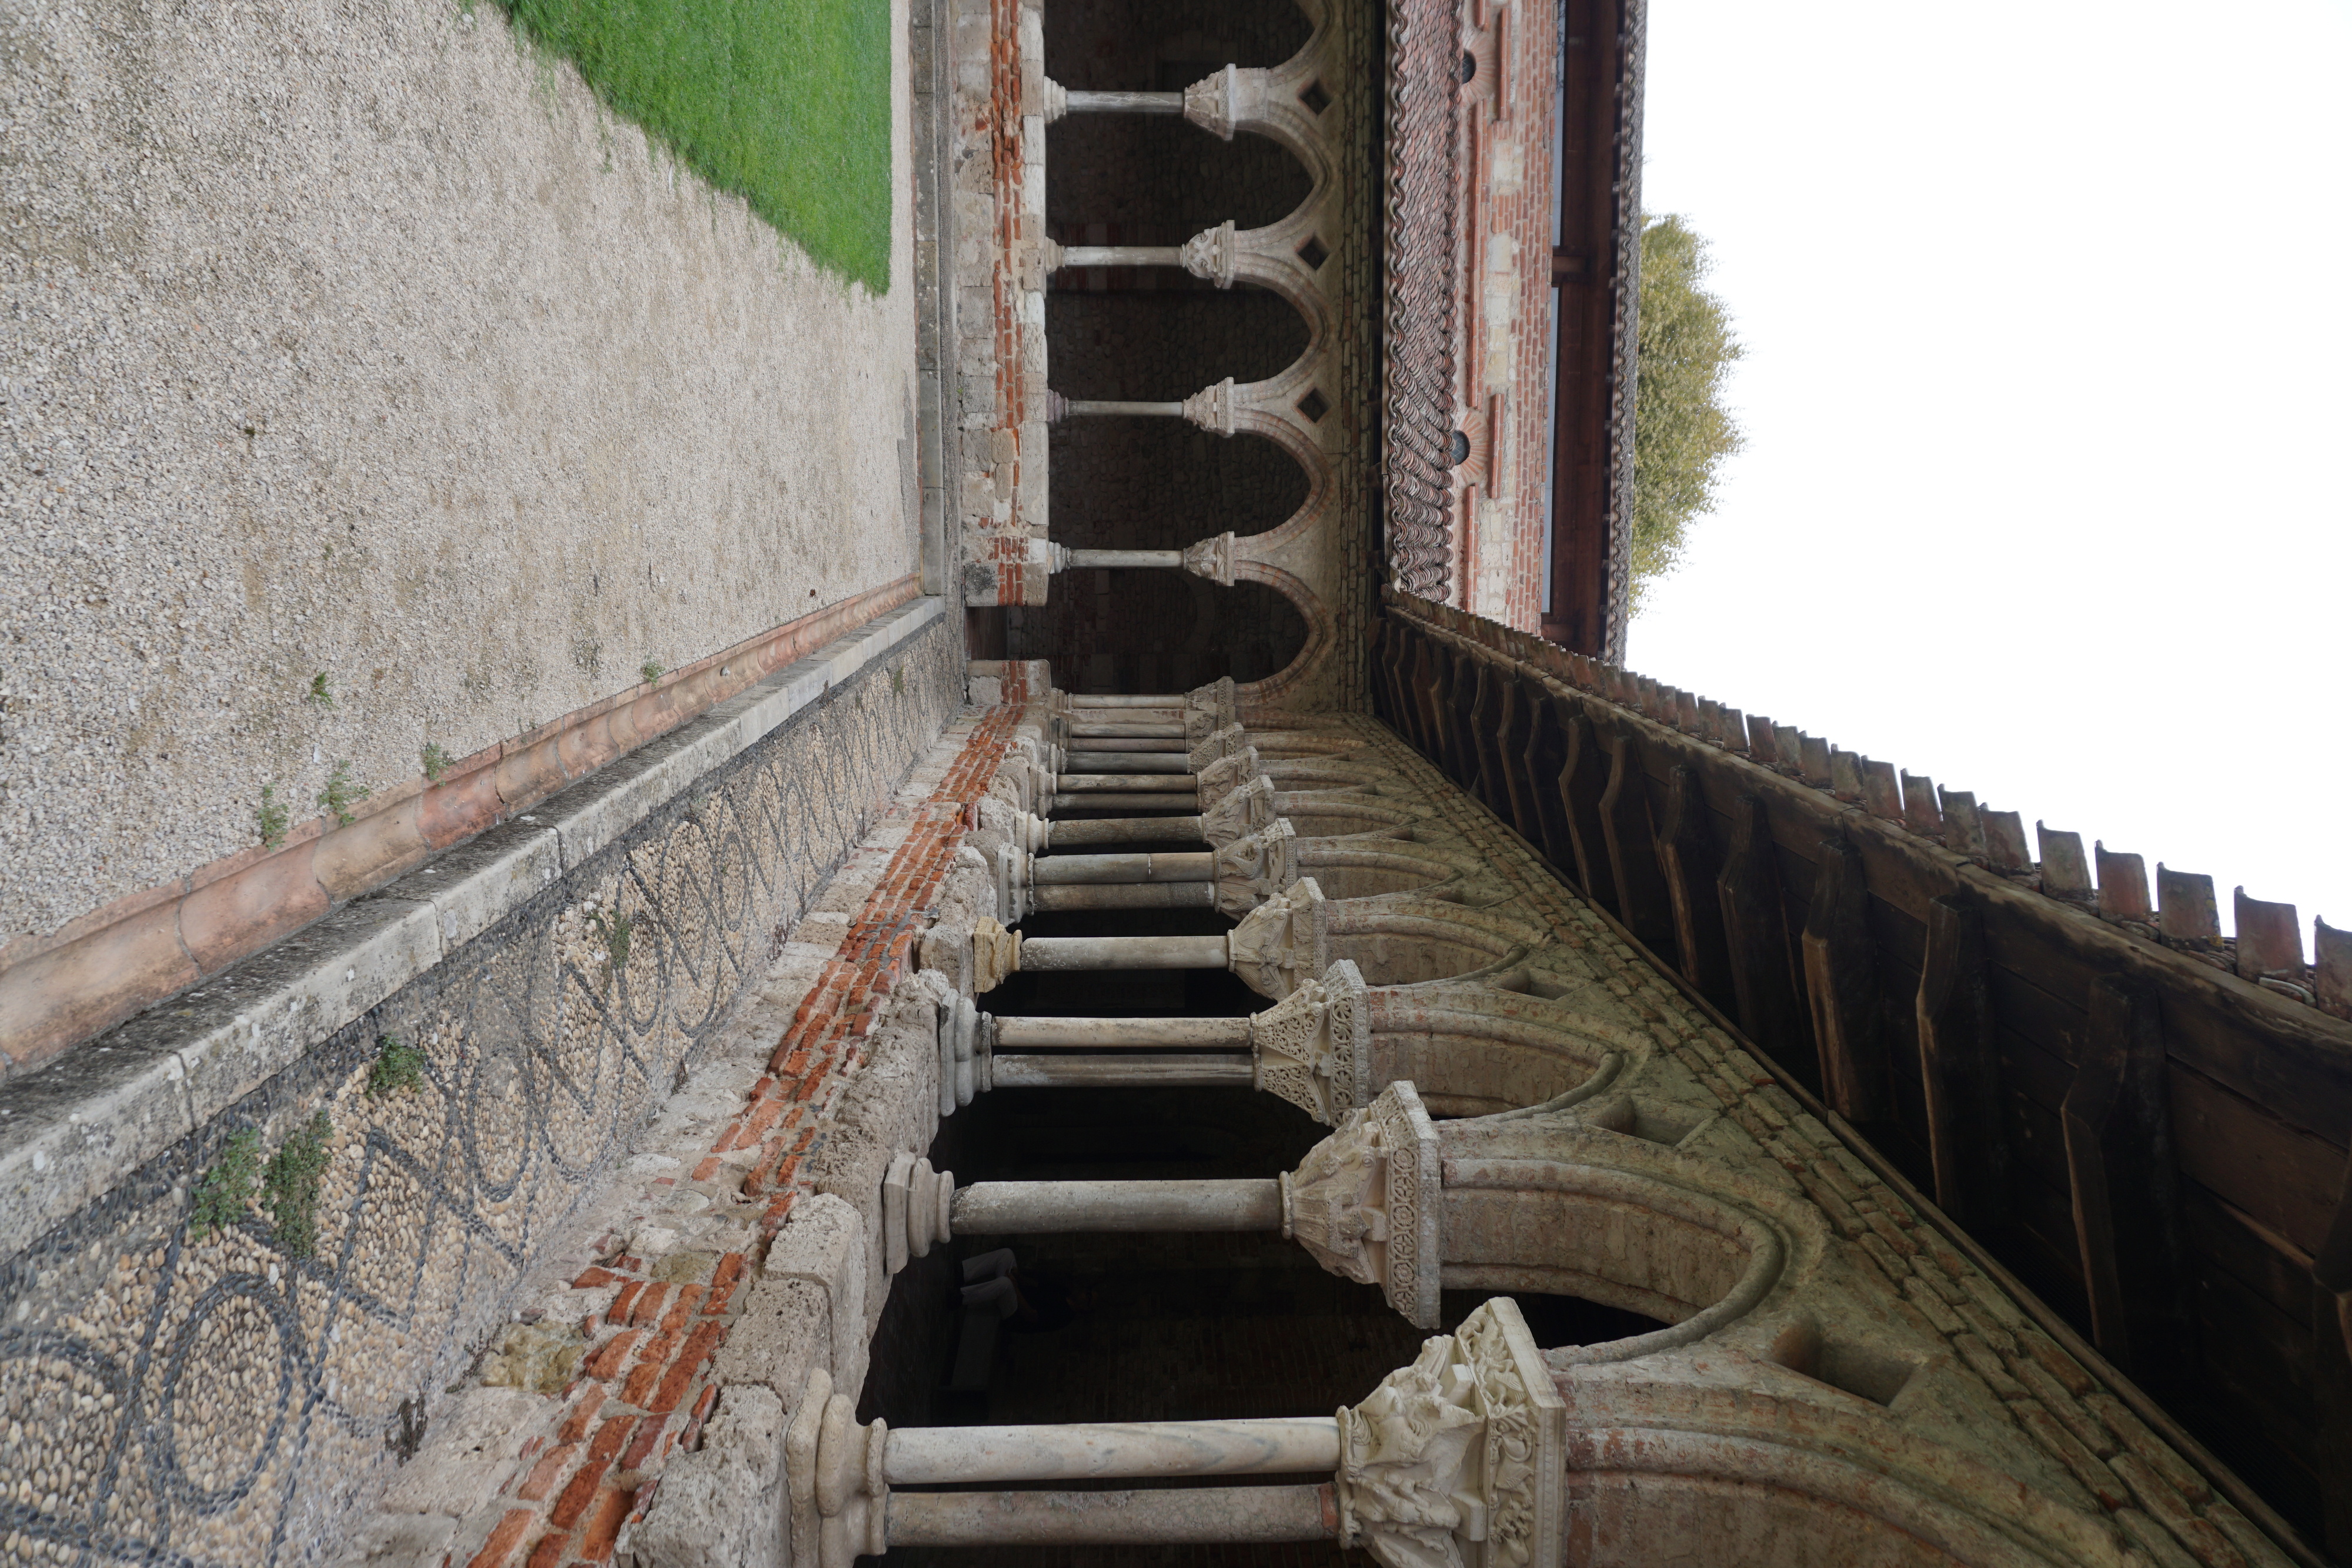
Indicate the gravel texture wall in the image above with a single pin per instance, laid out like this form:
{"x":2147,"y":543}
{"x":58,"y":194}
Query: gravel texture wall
{"x":352,"y":342}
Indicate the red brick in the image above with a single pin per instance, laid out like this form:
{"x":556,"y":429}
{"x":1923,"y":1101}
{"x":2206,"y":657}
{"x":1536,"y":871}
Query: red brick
{"x":551,"y":1550}
{"x":593,"y":1278}
{"x":576,"y":1497}
{"x":575,"y":1424}
{"x":544,"y":1474}
{"x":716,"y":1303}
{"x":604,"y":1520}
{"x":729,"y":1268}
{"x":699,"y":1349}
{"x":689,"y":1297}
{"x":649,"y":1435}
{"x":645,"y":1376}
{"x":607,"y":1362}
{"x":710,"y":1167}
{"x":618,"y":1313}
{"x":707,"y":1402}
{"x":504,"y":1539}
{"x":649,"y":1305}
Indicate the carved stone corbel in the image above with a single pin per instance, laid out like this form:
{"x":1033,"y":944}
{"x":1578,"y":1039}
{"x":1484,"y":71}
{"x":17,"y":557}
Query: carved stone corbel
{"x":1226,"y":775}
{"x":1212,"y":408}
{"x":1210,"y":255}
{"x":1366,"y":1202}
{"x":1283,"y":941}
{"x":995,"y":952}
{"x":1212,"y":557}
{"x":1220,"y":744}
{"x":1314,"y":1047}
{"x":833,"y":1469}
{"x":1245,"y":809}
{"x":1249,"y":870}
{"x":1457,"y":1461}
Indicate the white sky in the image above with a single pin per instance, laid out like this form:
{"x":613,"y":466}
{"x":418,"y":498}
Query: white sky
{"x":2048,"y":316}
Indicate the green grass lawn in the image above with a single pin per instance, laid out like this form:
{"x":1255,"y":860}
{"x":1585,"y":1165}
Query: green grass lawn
{"x":785,"y":102}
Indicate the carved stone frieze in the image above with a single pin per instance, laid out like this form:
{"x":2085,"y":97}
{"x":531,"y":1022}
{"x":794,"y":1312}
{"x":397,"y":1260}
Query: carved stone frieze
{"x":1212,"y":557}
{"x":1219,"y":746}
{"x":1224,"y":102}
{"x":1212,"y":408}
{"x":1245,"y":810}
{"x":1283,"y":941}
{"x":1457,"y":1461}
{"x":1251,"y":869}
{"x":1210,"y":255}
{"x":1314,"y":1047}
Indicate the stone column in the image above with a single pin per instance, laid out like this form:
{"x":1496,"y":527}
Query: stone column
{"x":1458,"y":1458}
{"x":1313,"y":1048}
{"x":1366,"y":1203}
{"x":1283,"y":941}
{"x":1233,"y":879}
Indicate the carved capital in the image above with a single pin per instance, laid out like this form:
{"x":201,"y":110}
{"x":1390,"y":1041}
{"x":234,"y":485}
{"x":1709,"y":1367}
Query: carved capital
{"x":1210,"y":708}
{"x":1212,"y":104}
{"x":1282,"y":941}
{"x":1249,"y":870}
{"x":1057,"y":101}
{"x":1212,"y":408}
{"x":1212,"y":557}
{"x":1220,"y":744}
{"x":1242,"y":810}
{"x":1457,"y":1461}
{"x":1014,"y":904}
{"x":1365,"y":1202}
{"x":995,"y":952}
{"x":1227,"y":773}
{"x":1210,"y":255}
{"x":1314,"y":1047}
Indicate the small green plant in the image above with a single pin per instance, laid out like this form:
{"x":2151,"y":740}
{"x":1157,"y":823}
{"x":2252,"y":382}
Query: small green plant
{"x":437,"y":761}
{"x":341,"y":794}
{"x":290,"y":1187}
{"x":397,"y":1067}
{"x":225,"y":1190}
{"x":269,"y":817}
{"x":899,"y":680}
{"x":651,"y":671}
{"x":615,"y":934}
{"x":320,"y":694}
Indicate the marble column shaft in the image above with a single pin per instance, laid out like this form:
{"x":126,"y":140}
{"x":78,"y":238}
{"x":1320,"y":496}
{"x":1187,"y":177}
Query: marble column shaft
{"x":1049,"y":1208}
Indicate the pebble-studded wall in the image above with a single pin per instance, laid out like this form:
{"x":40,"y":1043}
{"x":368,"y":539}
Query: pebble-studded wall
{"x":209,"y":1364}
{"x":1156,"y":334}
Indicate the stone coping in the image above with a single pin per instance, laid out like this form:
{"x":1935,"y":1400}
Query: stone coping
{"x":73,"y":1129}
{"x":100,"y":969}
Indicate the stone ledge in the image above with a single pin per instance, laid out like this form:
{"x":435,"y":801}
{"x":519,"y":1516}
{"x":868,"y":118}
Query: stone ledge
{"x":71,"y":1130}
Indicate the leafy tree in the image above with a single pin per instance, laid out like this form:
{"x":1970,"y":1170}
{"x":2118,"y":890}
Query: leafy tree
{"x":1681,"y":430}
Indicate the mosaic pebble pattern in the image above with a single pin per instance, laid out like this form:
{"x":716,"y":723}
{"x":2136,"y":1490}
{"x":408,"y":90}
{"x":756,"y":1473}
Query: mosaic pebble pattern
{"x":171,"y":1401}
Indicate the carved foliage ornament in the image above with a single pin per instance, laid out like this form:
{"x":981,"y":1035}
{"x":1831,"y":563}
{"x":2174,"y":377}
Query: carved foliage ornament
{"x":1242,"y":810}
{"x":1219,"y":746}
{"x":1456,"y":1460}
{"x":1212,"y":408}
{"x":1364,"y":1202}
{"x":1210,"y":255}
{"x":1313,"y":1047}
{"x":1227,"y":773}
{"x":1212,"y":557}
{"x":1252,"y":869}
{"x":1282,"y":941}
{"x":1210,"y":708}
